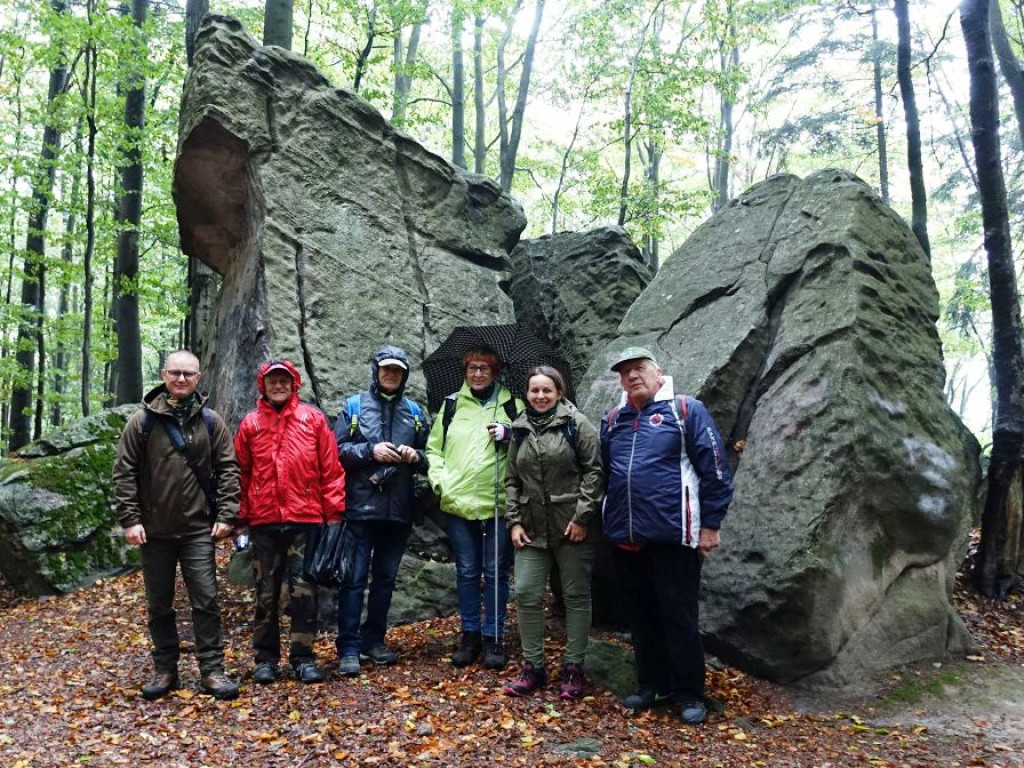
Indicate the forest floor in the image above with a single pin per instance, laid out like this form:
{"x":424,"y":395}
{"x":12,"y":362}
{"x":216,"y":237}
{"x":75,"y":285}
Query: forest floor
{"x":71,"y":668}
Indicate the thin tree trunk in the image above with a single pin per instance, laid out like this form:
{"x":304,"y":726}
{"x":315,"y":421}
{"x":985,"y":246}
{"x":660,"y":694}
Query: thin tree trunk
{"x":129,"y":217}
{"x":627,"y":121}
{"x":61,"y":356}
{"x":915,"y":163}
{"x":194,"y":12}
{"x":33,"y":297}
{"x":876,"y":69}
{"x":277,"y":23}
{"x":479,"y":102}
{"x":404,"y":62}
{"x":364,"y":55}
{"x":729,"y":64}
{"x":458,"y":91}
{"x":1008,"y":355}
{"x":1008,"y":64}
{"x":90,"y":223}
{"x":511,"y":149}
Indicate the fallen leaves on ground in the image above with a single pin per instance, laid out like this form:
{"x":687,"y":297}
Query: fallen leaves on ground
{"x":71,"y":668}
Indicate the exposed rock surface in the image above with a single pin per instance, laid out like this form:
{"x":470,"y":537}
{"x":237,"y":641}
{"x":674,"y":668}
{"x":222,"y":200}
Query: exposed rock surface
{"x":58,"y":531}
{"x":804,"y":316}
{"x":334,"y":232}
{"x":574,"y":288}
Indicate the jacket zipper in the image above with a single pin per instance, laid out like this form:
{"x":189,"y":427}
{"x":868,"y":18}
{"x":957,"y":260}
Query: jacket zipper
{"x":629,"y":477}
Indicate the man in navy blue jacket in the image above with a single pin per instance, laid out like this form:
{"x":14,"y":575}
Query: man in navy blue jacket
{"x":669,"y":487}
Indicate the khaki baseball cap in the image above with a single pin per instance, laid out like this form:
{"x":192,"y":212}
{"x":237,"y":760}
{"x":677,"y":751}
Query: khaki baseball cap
{"x":633,"y":353}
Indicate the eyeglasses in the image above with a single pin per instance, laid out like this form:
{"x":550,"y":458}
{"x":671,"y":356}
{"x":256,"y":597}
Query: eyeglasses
{"x":187,"y":375}
{"x":478,"y":368}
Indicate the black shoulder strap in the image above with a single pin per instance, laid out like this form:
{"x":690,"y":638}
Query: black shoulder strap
{"x":510,"y":409}
{"x":446,"y":419}
{"x":206,"y":481}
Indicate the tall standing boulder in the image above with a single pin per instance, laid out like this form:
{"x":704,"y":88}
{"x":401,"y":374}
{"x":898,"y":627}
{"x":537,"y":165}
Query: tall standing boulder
{"x":803,"y":315}
{"x":573,"y":288}
{"x":334,"y":232}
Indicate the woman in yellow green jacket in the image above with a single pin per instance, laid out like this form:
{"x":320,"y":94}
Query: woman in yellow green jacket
{"x":466,"y":454}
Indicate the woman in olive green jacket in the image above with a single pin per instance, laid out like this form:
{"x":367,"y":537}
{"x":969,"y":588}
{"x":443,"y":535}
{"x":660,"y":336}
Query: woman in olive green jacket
{"x":553,"y":486}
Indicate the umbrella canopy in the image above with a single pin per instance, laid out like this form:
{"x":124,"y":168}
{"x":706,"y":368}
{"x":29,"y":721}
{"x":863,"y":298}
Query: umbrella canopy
{"x":517,"y":347}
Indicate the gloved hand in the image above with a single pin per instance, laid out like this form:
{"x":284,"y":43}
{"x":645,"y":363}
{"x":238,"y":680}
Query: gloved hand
{"x":500,"y":433}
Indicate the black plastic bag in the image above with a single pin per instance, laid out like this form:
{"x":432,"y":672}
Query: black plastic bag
{"x":330,"y":554}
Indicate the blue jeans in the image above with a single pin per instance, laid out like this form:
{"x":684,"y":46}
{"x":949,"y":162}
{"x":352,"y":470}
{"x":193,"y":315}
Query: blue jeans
{"x":378,"y":553}
{"x":474,"y":543}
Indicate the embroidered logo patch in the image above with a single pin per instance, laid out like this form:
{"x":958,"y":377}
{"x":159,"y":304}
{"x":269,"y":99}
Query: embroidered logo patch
{"x":656,"y":420}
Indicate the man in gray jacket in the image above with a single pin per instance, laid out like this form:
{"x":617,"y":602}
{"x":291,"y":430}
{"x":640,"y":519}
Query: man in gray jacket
{"x":176,"y":491}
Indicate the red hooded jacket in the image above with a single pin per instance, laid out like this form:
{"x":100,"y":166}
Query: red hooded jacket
{"x":289,"y":465}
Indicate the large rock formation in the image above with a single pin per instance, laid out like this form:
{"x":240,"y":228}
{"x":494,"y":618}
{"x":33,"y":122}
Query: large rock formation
{"x":804,"y":316}
{"x":574,"y":288}
{"x":334,"y":232}
{"x":57,"y":527}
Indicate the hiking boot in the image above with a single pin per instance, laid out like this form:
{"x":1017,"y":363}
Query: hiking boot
{"x":572,"y":682}
{"x":693,"y":711}
{"x":349,"y":666}
{"x":265,"y":673}
{"x":218,"y":685}
{"x":494,"y":654}
{"x":469,"y":649}
{"x":531,"y":678}
{"x":164,"y":681}
{"x":380,"y":655}
{"x":308,"y":672}
{"x":645,"y":698}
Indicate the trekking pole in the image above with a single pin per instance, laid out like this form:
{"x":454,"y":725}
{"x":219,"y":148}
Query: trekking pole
{"x":497,"y":624}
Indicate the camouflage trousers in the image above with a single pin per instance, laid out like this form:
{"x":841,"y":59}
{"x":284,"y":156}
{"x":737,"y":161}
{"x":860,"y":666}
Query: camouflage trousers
{"x":277,"y":557}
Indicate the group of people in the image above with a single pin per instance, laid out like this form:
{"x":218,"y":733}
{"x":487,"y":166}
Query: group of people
{"x":532,"y":481}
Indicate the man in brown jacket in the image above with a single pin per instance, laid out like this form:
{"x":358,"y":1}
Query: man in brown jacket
{"x":176,"y":491}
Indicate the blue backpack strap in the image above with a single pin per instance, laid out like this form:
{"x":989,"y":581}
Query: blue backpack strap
{"x":569,"y":430}
{"x":417,"y":414}
{"x":353,"y":406}
{"x":208,"y":420}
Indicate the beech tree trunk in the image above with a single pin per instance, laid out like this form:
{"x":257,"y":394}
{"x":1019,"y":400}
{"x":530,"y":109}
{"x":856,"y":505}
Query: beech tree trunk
{"x":510,"y":133}
{"x":458,"y":91}
{"x":194,"y":12}
{"x":479,"y":102}
{"x":277,"y":23}
{"x":876,"y":70}
{"x":129,"y":217}
{"x":1008,"y":64}
{"x":915,"y":164}
{"x":23,"y":417}
{"x":1008,"y":355}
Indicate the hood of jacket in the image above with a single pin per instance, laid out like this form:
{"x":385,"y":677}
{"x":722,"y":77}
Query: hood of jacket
{"x":287,"y":365}
{"x":388,"y":352}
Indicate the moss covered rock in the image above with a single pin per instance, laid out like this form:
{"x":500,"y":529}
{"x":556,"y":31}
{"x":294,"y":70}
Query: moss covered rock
{"x":58,"y":530}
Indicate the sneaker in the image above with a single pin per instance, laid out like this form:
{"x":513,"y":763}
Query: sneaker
{"x":494,"y":654}
{"x":380,"y":655}
{"x":645,"y":698}
{"x":164,"y":681}
{"x":469,"y":649}
{"x":531,"y":678}
{"x":219,"y":685}
{"x":349,"y":666}
{"x":693,"y":711}
{"x":572,"y":682}
{"x":308,"y":672}
{"x":265,"y":673}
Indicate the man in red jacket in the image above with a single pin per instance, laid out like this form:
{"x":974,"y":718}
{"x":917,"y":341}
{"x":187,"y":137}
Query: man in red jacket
{"x":291,"y":481}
